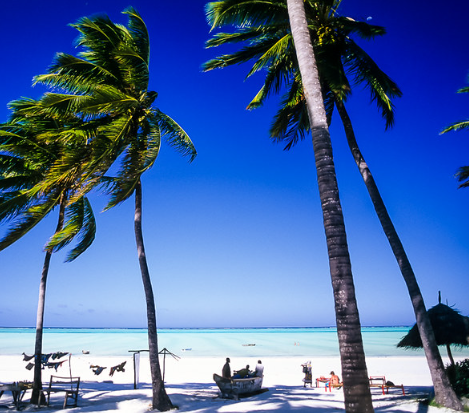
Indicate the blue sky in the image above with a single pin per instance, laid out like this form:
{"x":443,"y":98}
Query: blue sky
{"x":235,"y":239}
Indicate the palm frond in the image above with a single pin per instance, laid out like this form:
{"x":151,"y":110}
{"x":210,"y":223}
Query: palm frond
{"x":461,"y":125}
{"x":139,"y":33}
{"x":75,"y":75}
{"x":87,"y":234}
{"x":278,"y":51}
{"x":463,"y":176}
{"x":28,"y":220}
{"x":291,"y":122}
{"x":175,"y":135}
{"x":120,"y":189}
{"x":362,"y":29}
{"x":80,"y":225}
{"x":279,"y":74}
{"x":242,"y":13}
{"x":380,"y":85}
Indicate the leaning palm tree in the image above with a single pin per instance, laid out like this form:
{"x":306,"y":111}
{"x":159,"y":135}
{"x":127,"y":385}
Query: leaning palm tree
{"x":34,"y":181}
{"x":107,"y":86}
{"x":338,"y":57}
{"x":463,"y":171}
{"x":357,"y":394}
{"x":253,"y":22}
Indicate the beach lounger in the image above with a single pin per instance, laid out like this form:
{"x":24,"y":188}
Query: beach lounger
{"x":380,"y":381}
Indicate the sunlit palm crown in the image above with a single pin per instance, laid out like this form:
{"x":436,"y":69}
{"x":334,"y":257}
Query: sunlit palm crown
{"x":39,"y":169}
{"x":99,"y":112}
{"x":107,"y":87}
{"x":463,"y":172}
{"x":263,"y":30}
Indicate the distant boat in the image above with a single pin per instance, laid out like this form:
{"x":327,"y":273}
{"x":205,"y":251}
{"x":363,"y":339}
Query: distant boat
{"x":233,"y":388}
{"x":246,"y":345}
{"x":186,"y":349}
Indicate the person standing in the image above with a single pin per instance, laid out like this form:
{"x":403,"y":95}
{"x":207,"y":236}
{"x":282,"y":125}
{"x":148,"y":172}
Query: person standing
{"x":226,"y":371}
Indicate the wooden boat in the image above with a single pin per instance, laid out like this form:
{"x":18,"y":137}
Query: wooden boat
{"x":233,"y":388}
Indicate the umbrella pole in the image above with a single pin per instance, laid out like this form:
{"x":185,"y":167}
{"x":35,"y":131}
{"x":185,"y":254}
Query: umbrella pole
{"x":450,"y":355}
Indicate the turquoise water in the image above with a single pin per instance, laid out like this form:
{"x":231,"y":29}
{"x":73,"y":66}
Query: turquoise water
{"x":307,"y":342}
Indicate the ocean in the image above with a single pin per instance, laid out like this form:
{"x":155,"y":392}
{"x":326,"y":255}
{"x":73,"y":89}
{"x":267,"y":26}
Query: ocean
{"x":236,"y":342}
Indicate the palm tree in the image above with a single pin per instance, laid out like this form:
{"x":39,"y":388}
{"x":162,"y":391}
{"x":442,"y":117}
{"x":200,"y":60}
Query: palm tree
{"x":355,"y":377}
{"x":357,"y":394}
{"x":463,"y":171}
{"x":34,"y":181}
{"x":338,"y":56}
{"x":107,"y":85}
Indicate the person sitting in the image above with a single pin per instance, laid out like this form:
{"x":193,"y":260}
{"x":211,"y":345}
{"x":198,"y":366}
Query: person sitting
{"x":333,"y":381}
{"x":241,"y":374}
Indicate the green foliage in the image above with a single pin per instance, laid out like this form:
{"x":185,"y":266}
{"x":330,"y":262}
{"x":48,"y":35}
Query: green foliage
{"x":99,"y":112}
{"x":458,"y":375}
{"x":462,"y":174}
{"x":40,"y":162}
{"x":106,"y":86}
{"x":262,"y":30}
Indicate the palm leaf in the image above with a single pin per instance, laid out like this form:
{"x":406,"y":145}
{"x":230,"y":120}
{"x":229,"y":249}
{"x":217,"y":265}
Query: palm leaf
{"x":461,"y":125}
{"x":243,"y":13}
{"x":175,"y":135}
{"x":29,"y":220}
{"x":139,"y":33}
{"x":463,"y":176}
{"x":381,"y":87}
{"x":80,"y":225}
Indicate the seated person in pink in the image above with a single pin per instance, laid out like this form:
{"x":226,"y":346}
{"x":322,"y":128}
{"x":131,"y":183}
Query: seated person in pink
{"x":334,"y":380}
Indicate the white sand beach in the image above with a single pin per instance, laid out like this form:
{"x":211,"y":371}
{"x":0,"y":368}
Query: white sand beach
{"x":191,"y":388}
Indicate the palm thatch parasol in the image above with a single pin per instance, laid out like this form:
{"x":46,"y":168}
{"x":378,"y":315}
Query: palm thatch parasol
{"x":449,"y":326}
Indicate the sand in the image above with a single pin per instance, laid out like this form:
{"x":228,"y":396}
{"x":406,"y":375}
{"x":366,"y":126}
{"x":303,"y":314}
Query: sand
{"x":191,"y":388}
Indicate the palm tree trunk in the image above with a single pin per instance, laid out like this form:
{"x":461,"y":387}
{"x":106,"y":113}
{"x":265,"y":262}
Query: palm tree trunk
{"x":37,"y":380}
{"x":357,"y":394}
{"x":450,"y":354}
{"x":444,"y":393}
{"x":161,"y":399}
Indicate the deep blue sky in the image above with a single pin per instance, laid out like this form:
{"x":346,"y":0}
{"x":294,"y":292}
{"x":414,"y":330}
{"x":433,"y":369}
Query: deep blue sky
{"x":235,"y":238}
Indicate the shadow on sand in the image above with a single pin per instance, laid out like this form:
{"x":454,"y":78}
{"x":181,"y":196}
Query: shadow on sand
{"x":205,"y":398}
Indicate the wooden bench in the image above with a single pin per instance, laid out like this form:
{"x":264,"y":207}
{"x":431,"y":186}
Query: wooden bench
{"x":380,"y":381}
{"x":67,"y":385}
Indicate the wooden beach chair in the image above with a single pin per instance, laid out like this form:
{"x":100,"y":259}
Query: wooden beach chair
{"x":380,"y":381}
{"x":67,"y":385}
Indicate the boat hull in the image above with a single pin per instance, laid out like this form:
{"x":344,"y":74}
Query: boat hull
{"x":233,"y":388}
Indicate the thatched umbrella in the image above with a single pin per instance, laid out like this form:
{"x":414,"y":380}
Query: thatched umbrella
{"x":449,"y":326}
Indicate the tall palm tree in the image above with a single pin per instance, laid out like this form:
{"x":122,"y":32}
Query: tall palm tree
{"x":107,"y":85}
{"x":463,"y":171}
{"x":255,"y":22}
{"x":34,"y":181}
{"x":338,"y":56}
{"x":357,"y":394}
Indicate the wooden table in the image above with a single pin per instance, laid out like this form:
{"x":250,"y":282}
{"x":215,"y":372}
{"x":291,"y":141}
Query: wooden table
{"x":322,"y":380}
{"x":17,"y":392}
